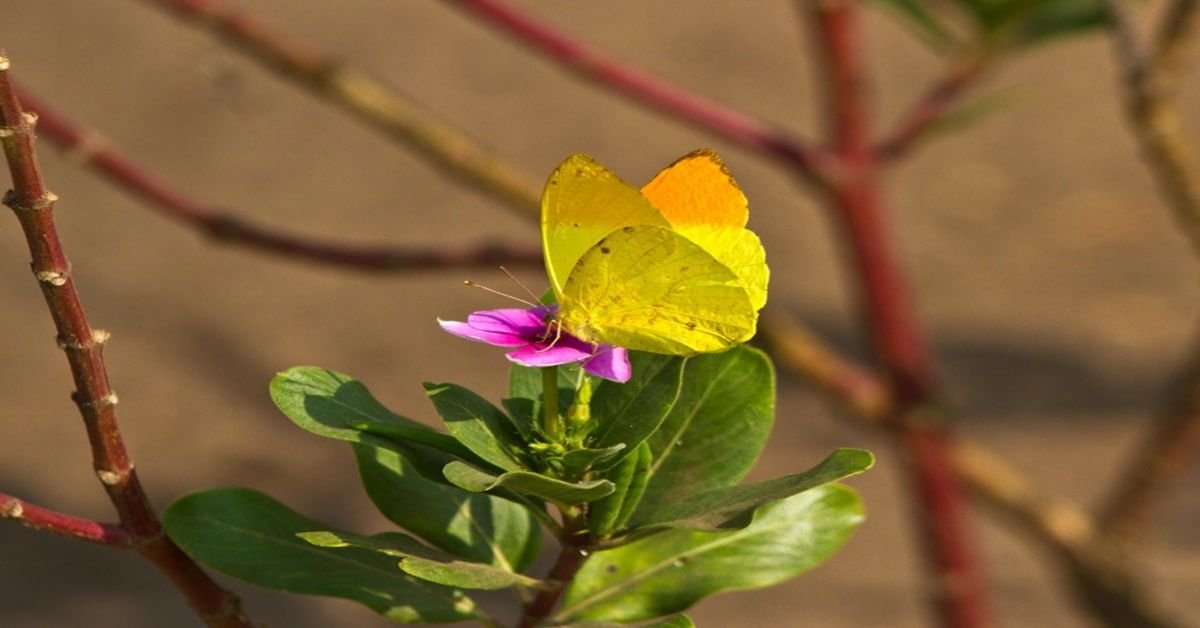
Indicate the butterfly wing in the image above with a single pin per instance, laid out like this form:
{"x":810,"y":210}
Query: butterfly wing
{"x":582,"y":203}
{"x":703,"y":203}
{"x":651,"y":289}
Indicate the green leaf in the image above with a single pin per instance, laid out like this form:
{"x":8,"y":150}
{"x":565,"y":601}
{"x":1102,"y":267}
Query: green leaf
{"x":732,"y":507}
{"x":674,"y":621}
{"x":479,"y":425}
{"x":717,"y":428}
{"x":471,"y":479}
{"x":522,"y":412}
{"x":1021,"y":23}
{"x":391,"y":543}
{"x":926,"y":25}
{"x":480,"y":528}
{"x":1059,"y":18}
{"x":629,"y":413}
{"x":671,"y":571}
{"x":467,"y":575}
{"x":334,"y":405}
{"x":637,"y":487}
{"x":250,"y":536}
{"x":579,"y":461}
{"x":419,"y":563}
{"x":610,"y":513}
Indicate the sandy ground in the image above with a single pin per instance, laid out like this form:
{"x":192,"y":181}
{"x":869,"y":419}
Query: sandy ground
{"x":1057,"y":293}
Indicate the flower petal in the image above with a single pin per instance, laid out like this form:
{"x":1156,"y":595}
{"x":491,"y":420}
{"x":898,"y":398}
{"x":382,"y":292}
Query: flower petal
{"x":611,"y":363}
{"x":542,"y":356}
{"x":526,"y":323}
{"x":497,"y":338}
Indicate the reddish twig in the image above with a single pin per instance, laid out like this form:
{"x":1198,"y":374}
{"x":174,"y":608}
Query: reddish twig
{"x":1098,"y":571}
{"x":1168,"y":451}
{"x":810,"y":163}
{"x":895,"y":334}
{"x":1150,"y":80}
{"x":931,"y":108}
{"x":33,"y":205}
{"x":1088,"y":561}
{"x":571,"y":557}
{"x":851,"y":386}
{"x":369,"y":100}
{"x":227,"y":227}
{"x":46,"y":520}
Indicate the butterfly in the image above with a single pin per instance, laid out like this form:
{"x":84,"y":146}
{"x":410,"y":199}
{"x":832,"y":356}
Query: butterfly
{"x":670,"y":268}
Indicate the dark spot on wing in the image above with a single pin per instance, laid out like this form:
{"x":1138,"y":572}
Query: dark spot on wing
{"x":605,"y":250}
{"x":627,"y":229}
{"x":691,"y":325}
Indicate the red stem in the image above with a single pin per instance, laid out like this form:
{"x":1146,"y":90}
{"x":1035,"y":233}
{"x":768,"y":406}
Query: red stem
{"x":895,"y":334}
{"x":931,"y":108}
{"x":654,"y":91}
{"x":227,"y":227}
{"x":54,"y":522}
{"x":570,"y":559}
{"x":33,"y":205}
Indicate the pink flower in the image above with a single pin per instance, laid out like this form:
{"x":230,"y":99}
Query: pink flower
{"x":538,"y":343}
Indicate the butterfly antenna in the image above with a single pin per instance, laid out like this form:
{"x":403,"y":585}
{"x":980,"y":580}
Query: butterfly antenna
{"x":518,"y":282}
{"x":468,"y":282}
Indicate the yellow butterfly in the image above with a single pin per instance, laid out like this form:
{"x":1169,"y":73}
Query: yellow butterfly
{"x":668,"y":269}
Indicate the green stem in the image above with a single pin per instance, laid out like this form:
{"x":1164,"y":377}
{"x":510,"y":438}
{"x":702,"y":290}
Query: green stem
{"x":550,"y":422}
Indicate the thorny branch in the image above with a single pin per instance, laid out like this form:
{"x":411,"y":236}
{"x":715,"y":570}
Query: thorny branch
{"x":33,"y":205}
{"x":225,"y":226}
{"x":811,"y":164}
{"x":46,"y":520}
{"x":896,"y":336}
{"x":367,"y":99}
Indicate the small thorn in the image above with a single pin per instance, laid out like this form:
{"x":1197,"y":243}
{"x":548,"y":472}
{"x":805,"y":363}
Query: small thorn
{"x":108,"y":478}
{"x":52,"y":277}
{"x":13,"y":511}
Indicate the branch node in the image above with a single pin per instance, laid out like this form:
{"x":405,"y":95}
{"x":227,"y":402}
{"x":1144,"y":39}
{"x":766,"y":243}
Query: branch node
{"x":99,"y":338}
{"x":13,"y":509}
{"x":103,"y":402}
{"x":109,"y":478}
{"x":46,"y":201}
{"x":55,"y":278}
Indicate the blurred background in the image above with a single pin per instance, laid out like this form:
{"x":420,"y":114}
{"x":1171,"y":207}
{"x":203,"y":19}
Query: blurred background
{"x":1058,"y":294}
